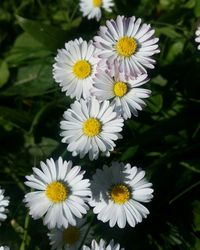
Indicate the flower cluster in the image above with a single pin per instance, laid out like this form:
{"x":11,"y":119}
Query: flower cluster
{"x":107,"y":77}
{"x":104,"y":76}
{"x":63,"y":196}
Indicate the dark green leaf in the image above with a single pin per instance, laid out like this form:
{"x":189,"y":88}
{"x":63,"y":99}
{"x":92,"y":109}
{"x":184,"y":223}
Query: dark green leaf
{"x":155,"y":103}
{"x":168,"y":31}
{"x":129,"y":153}
{"x":197,"y":9}
{"x":51,"y":37}
{"x":4,"y":73}
{"x":175,"y":50}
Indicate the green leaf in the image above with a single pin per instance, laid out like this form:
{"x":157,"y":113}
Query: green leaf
{"x":51,"y":37}
{"x":190,"y":167}
{"x":17,"y":117}
{"x":25,"y":48}
{"x":155,"y":103}
{"x":4,"y":73}
{"x":196,"y":215}
{"x":32,"y":80}
{"x":175,"y":50}
{"x":159,"y":80}
{"x":129,"y":153}
{"x":168,"y":31}
{"x":189,"y":4}
{"x":44,"y":148}
{"x":197,"y":9}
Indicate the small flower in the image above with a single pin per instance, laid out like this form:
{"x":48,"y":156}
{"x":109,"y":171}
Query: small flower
{"x":117,"y":192}
{"x":90,"y":127}
{"x":4,"y":248}
{"x":128,"y":42}
{"x":123,"y":92}
{"x":92,"y":8}
{"x":62,"y":193}
{"x":69,"y":238}
{"x":75,"y":68}
{"x":103,"y":246}
{"x":4,"y":202}
{"x":197,"y":39}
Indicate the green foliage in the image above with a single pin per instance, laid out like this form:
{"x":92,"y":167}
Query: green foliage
{"x":163,"y":139}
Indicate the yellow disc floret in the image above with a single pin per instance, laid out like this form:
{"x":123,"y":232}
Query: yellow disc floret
{"x":126,"y":46}
{"x":71,"y":235}
{"x":91,"y":127}
{"x":120,"y":194}
{"x":82,"y":69}
{"x":57,"y":192}
{"x":97,"y":3}
{"x":120,"y":89}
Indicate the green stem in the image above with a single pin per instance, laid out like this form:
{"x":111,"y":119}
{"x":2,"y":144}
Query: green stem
{"x":16,"y":179}
{"x":88,"y":230}
{"x":184,"y":192}
{"x":74,"y":12}
{"x":25,"y":236}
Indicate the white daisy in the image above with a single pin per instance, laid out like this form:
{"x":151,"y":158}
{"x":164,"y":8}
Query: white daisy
{"x":62,"y":193}
{"x":124,"y":92}
{"x":75,"y":68}
{"x":117,"y":192}
{"x":128,"y":42}
{"x":4,"y":202}
{"x":103,"y":246}
{"x":69,"y":238}
{"x":90,"y":127}
{"x":92,"y":8}
{"x":197,"y":39}
{"x":4,"y":248}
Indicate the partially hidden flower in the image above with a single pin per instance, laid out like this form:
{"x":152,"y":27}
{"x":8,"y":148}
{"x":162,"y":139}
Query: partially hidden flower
{"x":130,"y":43}
{"x":4,"y":202}
{"x":124,"y":93}
{"x":102,"y":245}
{"x":70,"y":238}
{"x":93,"y":8}
{"x":197,"y":39}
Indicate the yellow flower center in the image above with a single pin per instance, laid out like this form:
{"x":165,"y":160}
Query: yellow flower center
{"x":97,"y":3}
{"x":120,"y":89}
{"x":120,"y":194}
{"x":82,"y":69}
{"x":92,"y":127}
{"x":126,"y":46}
{"x":71,"y":235}
{"x":57,"y":192}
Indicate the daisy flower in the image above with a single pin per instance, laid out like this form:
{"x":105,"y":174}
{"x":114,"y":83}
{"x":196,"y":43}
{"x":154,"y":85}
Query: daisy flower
{"x":90,"y":127}
{"x":4,"y":202}
{"x":61,"y":193}
{"x":75,"y":68}
{"x":103,"y":246}
{"x":129,"y":42}
{"x":69,"y":238}
{"x":123,"y":92}
{"x":4,"y":248}
{"x":92,"y":8}
{"x":117,"y":193}
{"x":198,"y":36}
